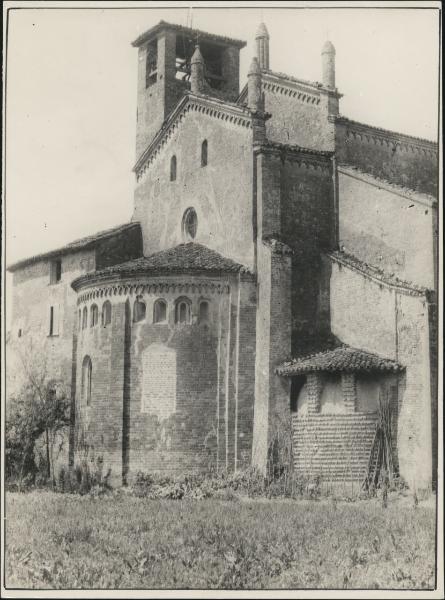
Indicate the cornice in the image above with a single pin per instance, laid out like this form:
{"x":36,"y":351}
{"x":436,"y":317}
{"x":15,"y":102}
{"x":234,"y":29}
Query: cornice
{"x":305,"y":157}
{"x":377,"y":135}
{"x":212,"y":107}
{"x":300,"y":89}
{"x":141,"y":288}
{"x":304,"y":91}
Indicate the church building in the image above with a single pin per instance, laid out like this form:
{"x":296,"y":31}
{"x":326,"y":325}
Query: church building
{"x":278,"y":271}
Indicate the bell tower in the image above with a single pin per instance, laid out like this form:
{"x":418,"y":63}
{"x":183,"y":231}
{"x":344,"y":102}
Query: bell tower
{"x":165,"y":54}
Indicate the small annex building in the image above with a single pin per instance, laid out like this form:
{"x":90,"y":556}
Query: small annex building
{"x":271,"y":273}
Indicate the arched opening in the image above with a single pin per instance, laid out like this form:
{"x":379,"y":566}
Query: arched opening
{"x":189,"y":224}
{"x":183,"y":311}
{"x":94,"y":317}
{"x":204,"y":153}
{"x":87,"y":376}
{"x":80,"y":320}
{"x":160,"y":311}
{"x":85,"y":318}
{"x":173,"y":168}
{"x":139,"y":310}
{"x":203,"y":316}
{"x":106,"y":313}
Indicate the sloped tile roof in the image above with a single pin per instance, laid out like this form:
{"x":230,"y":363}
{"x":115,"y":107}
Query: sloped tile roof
{"x":188,"y":31}
{"x":381,"y":183}
{"x":293,"y":148}
{"x":179,"y":259}
{"x":387,"y":132}
{"x":80,"y":244}
{"x":374,"y":272}
{"x":341,"y":359}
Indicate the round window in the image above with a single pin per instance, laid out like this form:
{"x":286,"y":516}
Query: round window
{"x":189,"y":224}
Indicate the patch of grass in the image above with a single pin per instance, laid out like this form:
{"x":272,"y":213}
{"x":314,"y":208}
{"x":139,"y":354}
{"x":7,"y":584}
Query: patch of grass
{"x":121,"y":541}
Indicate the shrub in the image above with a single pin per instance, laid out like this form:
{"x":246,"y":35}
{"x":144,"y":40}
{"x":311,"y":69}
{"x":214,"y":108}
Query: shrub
{"x":40,"y":409}
{"x":86,"y":477}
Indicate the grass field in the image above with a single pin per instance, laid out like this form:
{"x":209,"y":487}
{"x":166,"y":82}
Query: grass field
{"x":63,"y":541}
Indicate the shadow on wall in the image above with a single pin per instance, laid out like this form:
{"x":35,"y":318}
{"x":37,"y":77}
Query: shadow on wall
{"x":311,"y":314}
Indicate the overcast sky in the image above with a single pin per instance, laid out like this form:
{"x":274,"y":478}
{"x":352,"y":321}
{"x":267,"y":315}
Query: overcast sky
{"x":71,"y":98}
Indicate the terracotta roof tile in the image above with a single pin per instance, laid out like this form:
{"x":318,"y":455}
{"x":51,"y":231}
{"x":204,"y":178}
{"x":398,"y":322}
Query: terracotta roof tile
{"x":379,"y":182}
{"x":341,"y":359}
{"x":293,"y":148}
{"x":80,"y":244}
{"x":176,"y":260}
{"x":388,"y":132}
{"x":377,"y":273}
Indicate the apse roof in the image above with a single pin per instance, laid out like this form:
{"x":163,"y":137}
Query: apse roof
{"x":179,"y":259}
{"x":341,"y":359}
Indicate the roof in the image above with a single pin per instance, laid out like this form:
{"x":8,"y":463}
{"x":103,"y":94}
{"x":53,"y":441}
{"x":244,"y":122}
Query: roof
{"x":193,"y":33}
{"x":183,"y":258}
{"x":379,"y":274}
{"x":387,"y":132}
{"x":280,"y":75}
{"x":284,"y":77}
{"x":341,"y":359}
{"x":379,"y":182}
{"x":80,"y":244}
{"x":293,"y":148}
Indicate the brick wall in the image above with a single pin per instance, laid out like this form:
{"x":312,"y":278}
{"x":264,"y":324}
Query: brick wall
{"x":415,"y":431}
{"x":299,"y":114}
{"x":432,"y":318}
{"x":334,"y":422}
{"x":398,"y":158}
{"x":386,"y":229}
{"x":306,"y":226}
{"x":157,"y":101}
{"x":335,"y":447}
{"x":32,"y":297}
{"x":373,"y":316}
{"x":174,"y":397}
{"x":362,"y":313}
{"x":119,"y":248}
{"x":220,"y":192}
{"x":99,"y":425}
{"x":273,"y":345}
